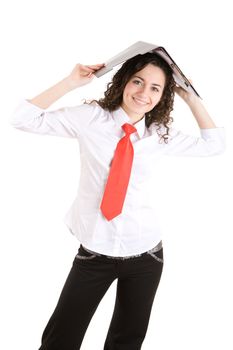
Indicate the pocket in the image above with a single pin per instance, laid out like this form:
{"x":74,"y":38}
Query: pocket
{"x":84,"y":254}
{"x":158,"y":256}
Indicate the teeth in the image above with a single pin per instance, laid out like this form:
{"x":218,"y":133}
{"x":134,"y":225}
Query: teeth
{"x":139,"y":101}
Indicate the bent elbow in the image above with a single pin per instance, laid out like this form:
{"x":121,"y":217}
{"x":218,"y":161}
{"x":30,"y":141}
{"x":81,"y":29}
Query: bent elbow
{"x":219,"y":149}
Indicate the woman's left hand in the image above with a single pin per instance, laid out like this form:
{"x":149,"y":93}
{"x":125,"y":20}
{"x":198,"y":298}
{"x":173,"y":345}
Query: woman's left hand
{"x":185,"y":95}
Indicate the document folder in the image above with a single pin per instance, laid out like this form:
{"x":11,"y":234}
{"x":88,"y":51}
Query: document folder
{"x":141,"y":47}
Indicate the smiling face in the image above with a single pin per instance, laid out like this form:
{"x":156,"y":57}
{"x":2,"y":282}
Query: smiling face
{"x":143,"y":91}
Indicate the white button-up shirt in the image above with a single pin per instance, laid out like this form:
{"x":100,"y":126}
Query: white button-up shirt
{"x":137,"y":229}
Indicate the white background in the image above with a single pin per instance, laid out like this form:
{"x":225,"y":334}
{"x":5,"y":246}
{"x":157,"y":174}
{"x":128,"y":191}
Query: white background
{"x":41,"y":41}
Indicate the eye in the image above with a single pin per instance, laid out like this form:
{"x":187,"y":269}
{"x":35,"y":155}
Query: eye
{"x":154,"y":88}
{"x":136,"y":82}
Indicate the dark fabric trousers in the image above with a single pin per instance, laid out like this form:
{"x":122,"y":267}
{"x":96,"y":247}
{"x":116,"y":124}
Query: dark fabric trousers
{"x":90,"y":277}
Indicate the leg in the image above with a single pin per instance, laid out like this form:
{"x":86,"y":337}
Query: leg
{"x":87,"y":282}
{"x":135,"y":295}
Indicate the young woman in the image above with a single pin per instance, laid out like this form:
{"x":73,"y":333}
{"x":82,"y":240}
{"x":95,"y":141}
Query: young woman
{"x":121,"y":138}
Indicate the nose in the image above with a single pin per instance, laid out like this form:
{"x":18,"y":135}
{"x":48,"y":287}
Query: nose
{"x":144,"y":91}
{"x":145,"y":88}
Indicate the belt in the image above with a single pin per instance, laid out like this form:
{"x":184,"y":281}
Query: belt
{"x":153,"y":250}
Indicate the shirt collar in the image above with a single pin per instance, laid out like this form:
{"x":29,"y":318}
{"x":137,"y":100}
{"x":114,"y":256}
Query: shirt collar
{"x":121,"y":117}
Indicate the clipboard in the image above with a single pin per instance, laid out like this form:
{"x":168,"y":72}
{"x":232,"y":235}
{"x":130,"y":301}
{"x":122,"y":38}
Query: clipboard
{"x":141,"y":47}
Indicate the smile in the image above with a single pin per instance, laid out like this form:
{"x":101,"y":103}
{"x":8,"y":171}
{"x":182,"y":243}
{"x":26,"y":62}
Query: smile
{"x":140,"y":102}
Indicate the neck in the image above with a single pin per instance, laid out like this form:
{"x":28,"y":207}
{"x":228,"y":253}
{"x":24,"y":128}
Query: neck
{"x":134,"y":120}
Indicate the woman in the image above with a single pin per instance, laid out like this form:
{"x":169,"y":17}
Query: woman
{"x":118,"y":230}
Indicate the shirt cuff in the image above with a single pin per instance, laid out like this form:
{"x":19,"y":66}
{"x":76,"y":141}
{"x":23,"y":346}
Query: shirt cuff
{"x":213,"y":132}
{"x":218,"y":134}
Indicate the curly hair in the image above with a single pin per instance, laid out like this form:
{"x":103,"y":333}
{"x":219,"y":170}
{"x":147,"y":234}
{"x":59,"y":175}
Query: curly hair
{"x":160,"y":114}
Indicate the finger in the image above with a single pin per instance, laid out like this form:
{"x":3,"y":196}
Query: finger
{"x":87,"y":69}
{"x":96,"y":66}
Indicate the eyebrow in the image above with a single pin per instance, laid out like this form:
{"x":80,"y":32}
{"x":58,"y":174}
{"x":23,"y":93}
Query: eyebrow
{"x":136,"y":76}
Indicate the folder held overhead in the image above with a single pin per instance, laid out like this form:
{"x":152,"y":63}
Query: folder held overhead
{"x":141,"y":47}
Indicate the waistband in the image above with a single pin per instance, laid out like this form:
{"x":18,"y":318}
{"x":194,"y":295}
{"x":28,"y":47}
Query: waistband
{"x":153,"y":250}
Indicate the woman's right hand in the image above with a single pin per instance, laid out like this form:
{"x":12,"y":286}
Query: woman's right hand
{"x":83,"y":74}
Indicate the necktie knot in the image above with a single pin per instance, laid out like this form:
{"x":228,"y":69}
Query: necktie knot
{"x":128,"y":128}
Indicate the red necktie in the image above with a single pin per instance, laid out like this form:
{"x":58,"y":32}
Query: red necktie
{"x":118,"y":179}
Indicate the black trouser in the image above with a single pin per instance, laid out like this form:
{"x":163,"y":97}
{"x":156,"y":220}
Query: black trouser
{"x":90,"y":277}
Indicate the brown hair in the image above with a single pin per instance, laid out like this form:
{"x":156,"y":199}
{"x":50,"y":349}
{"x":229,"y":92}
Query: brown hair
{"x":113,"y":96}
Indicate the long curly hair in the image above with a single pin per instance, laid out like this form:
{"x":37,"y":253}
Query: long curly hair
{"x":160,"y":114}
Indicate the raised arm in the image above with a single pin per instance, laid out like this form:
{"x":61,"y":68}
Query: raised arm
{"x":212,"y":141}
{"x":32,"y":116}
{"x":80,"y":75}
{"x":198,"y":110}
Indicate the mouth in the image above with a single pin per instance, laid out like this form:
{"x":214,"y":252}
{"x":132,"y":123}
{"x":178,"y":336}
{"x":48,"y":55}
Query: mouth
{"x":139,"y":102}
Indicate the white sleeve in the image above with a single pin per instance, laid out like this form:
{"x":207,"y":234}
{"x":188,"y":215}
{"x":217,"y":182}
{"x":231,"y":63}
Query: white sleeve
{"x":66,"y":121}
{"x":211,"y":142}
